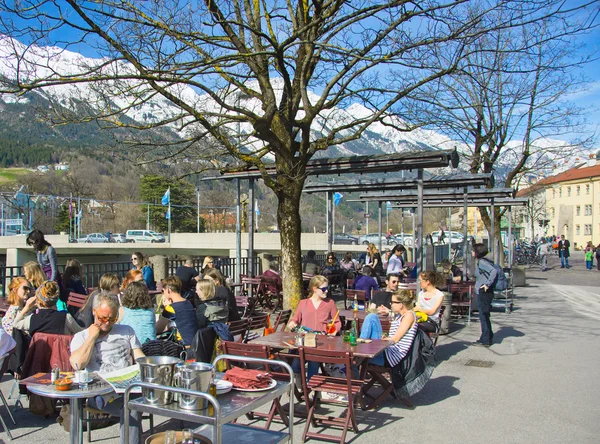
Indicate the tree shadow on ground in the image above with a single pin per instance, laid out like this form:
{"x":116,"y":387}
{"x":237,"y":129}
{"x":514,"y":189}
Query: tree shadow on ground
{"x":506,"y":332}
{"x":436,"y":390}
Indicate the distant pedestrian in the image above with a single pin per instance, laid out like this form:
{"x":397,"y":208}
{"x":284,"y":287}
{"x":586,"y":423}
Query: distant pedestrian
{"x":563,"y":251}
{"x":542,"y":251}
{"x":485,"y":277}
{"x":598,"y":256}
{"x":589,"y":258}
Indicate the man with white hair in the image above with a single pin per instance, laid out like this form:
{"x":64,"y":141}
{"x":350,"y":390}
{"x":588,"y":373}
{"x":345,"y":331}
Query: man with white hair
{"x":107,"y":346}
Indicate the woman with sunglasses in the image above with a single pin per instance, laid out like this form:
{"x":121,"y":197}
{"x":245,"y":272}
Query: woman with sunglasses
{"x":19,"y":291}
{"x":403,"y":328}
{"x":40,"y":314}
{"x":140,"y":262}
{"x":207,"y":265}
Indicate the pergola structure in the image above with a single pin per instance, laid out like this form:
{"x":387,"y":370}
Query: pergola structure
{"x":410,"y":160}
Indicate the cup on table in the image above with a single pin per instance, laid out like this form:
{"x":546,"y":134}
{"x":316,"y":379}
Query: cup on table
{"x":81,"y":377}
{"x":187,"y":437}
{"x":170,"y":437}
{"x":346,"y":335}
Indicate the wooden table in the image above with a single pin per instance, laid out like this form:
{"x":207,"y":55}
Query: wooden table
{"x":361,"y":352}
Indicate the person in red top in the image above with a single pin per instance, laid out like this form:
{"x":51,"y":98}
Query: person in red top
{"x":317,"y":309}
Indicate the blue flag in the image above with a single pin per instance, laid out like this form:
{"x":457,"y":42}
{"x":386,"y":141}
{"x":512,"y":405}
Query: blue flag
{"x":337,"y":198}
{"x":168,"y":214}
{"x":388,"y":205}
{"x":167,"y":197}
{"x":256,"y":210}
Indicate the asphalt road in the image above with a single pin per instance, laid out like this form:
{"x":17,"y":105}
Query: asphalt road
{"x":541,"y":387}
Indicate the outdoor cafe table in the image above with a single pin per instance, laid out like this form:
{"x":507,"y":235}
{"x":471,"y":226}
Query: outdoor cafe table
{"x":76,"y":396}
{"x":361,"y":352}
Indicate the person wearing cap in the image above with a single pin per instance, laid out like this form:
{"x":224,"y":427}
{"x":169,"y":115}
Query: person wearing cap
{"x":40,"y":315}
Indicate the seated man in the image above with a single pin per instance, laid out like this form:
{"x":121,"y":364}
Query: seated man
{"x":451,"y":271}
{"x":310,"y":264}
{"x":273,"y":274}
{"x":366,"y":282}
{"x":382,"y":299}
{"x":105,"y":346}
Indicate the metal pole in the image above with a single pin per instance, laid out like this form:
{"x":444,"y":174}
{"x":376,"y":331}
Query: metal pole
{"x":418,"y":239}
{"x":509,"y":241}
{"x":465,"y":231}
{"x":170,"y":217}
{"x":367,"y":211}
{"x":148,"y":218}
{"x":329,"y":220}
{"x":379,"y":225}
{"x":2,"y":226}
{"x":238,"y":231}
{"x":414,"y":247}
{"x":251,"y":228}
{"x":449,"y":228}
{"x":492,"y":236}
{"x":198,"y":209}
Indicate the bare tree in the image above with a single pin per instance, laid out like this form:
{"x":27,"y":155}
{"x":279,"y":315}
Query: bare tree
{"x":274,"y":76}
{"x":508,"y":102}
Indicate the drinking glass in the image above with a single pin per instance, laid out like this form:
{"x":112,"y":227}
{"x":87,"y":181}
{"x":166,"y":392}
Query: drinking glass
{"x":187,"y":437}
{"x":170,"y":437}
{"x":330,"y":328}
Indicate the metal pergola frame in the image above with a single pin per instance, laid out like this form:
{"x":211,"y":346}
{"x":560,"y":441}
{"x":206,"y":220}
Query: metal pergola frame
{"x":348,"y":165}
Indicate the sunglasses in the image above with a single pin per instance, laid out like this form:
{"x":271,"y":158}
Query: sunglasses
{"x":26,"y":288}
{"x":396,"y":302}
{"x":104,"y":319}
{"x":323,"y":289}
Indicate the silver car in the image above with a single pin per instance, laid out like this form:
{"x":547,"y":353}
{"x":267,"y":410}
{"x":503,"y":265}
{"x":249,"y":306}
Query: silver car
{"x":93,"y":238}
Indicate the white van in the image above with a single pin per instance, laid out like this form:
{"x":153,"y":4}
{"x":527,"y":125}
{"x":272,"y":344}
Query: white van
{"x":144,"y":236}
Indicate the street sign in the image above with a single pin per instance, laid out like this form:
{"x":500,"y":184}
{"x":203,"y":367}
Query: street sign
{"x":367,"y":215}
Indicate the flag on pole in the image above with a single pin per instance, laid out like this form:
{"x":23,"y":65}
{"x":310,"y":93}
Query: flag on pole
{"x":388,"y":205}
{"x":168,"y":214}
{"x":166,"y":199}
{"x":256,"y":210}
{"x":337,"y":198}
{"x":79,"y":214}
{"x":71,"y":207}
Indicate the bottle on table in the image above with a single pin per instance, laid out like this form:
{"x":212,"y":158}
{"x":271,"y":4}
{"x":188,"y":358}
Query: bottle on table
{"x":355,"y":306}
{"x":353,"y":333}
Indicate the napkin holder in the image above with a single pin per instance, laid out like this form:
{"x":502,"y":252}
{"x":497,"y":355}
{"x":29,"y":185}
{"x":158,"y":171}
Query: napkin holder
{"x":310,"y":340}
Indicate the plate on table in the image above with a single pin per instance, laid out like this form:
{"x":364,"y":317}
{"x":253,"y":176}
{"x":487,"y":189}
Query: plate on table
{"x":223,"y":387}
{"x":269,"y":387}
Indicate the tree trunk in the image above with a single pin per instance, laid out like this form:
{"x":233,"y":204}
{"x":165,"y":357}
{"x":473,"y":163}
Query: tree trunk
{"x":290,"y":227}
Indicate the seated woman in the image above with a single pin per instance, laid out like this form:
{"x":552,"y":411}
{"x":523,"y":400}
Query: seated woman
{"x":430,"y":300}
{"x":46,"y":319}
{"x":137,"y":311}
{"x":210,"y":307}
{"x":207,"y":264}
{"x":331,"y":264}
{"x":34,"y":274}
{"x":178,"y":312}
{"x":314,"y":312}
{"x":19,"y":292}
{"x":402,"y":329}
{"x":72,"y":278}
{"x":109,"y":282}
{"x":224,"y":293}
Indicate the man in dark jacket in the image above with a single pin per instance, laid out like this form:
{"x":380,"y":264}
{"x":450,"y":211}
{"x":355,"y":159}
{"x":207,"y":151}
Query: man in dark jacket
{"x":563,"y":251}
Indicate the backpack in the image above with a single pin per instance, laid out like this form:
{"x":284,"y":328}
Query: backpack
{"x":500,"y":283}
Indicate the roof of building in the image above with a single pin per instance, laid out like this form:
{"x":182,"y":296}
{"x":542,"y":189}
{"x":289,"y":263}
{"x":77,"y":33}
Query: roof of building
{"x":579,"y":172}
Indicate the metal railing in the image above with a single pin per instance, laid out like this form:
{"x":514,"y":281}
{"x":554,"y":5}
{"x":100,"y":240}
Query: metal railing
{"x":226,"y":266}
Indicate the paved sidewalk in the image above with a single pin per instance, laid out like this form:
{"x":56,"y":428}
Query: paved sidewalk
{"x":541,"y":388}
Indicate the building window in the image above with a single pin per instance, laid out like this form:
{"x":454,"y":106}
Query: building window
{"x":559,"y":191}
{"x":588,"y":210}
{"x":577,"y":230}
{"x":587,"y":229}
{"x":587,"y":189}
{"x":568,"y":191}
{"x":578,"y":190}
{"x":553,"y":193}
{"x":553,"y":212}
{"x":578,"y":210}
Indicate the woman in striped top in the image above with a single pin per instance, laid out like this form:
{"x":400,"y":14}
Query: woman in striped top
{"x":403,"y":328}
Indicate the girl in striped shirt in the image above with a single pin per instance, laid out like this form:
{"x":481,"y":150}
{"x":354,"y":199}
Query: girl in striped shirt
{"x":403,"y":328}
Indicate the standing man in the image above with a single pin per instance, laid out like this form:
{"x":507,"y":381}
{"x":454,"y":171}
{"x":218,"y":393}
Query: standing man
{"x":542,"y":251}
{"x":485,"y":277}
{"x":105,"y":346}
{"x":563,"y":251}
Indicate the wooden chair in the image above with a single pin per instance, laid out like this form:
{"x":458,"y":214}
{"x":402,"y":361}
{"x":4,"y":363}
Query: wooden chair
{"x":462,"y":294}
{"x":4,"y":367}
{"x":385,"y":324}
{"x":256,"y":326}
{"x":434,"y":335}
{"x":76,"y":300}
{"x":361,"y":295}
{"x":283,"y":319}
{"x":270,"y":295}
{"x":258,"y":351}
{"x":238,"y":328}
{"x":321,"y":383}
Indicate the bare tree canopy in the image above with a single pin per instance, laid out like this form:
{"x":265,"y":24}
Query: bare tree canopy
{"x":273,"y":81}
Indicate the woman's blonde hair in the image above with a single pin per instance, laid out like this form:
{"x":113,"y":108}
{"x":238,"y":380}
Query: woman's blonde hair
{"x":207,"y":289}
{"x":436,"y":279}
{"x":33,"y":273}
{"x":405,"y":297}
{"x":13,"y":288}
{"x":108,"y":281}
{"x":316,"y":281}
{"x":206,"y":260}
{"x":47,"y":294}
{"x":372,"y":249}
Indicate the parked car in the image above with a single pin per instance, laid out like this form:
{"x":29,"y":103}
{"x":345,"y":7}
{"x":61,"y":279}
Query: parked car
{"x":144,"y":236}
{"x":95,"y":238}
{"x":119,"y":238}
{"x":449,"y":236}
{"x":374,"y":239}
{"x":346,"y":239}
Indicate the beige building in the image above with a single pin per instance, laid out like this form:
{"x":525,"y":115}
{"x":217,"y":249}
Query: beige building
{"x":572,"y":204}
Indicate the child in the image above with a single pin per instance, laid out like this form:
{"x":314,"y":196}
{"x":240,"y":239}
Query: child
{"x":589,"y":258}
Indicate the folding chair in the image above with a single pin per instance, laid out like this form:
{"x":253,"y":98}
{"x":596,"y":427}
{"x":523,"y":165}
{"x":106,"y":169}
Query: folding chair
{"x":256,"y":326}
{"x":361,"y":295}
{"x":434,"y":335}
{"x":461,"y":297}
{"x":283,"y":319}
{"x":320,"y":383}
{"x":271,"y":296}
{"x":4,"y":366}
{"x":238,"y":328}
{"x":258,"y":351}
